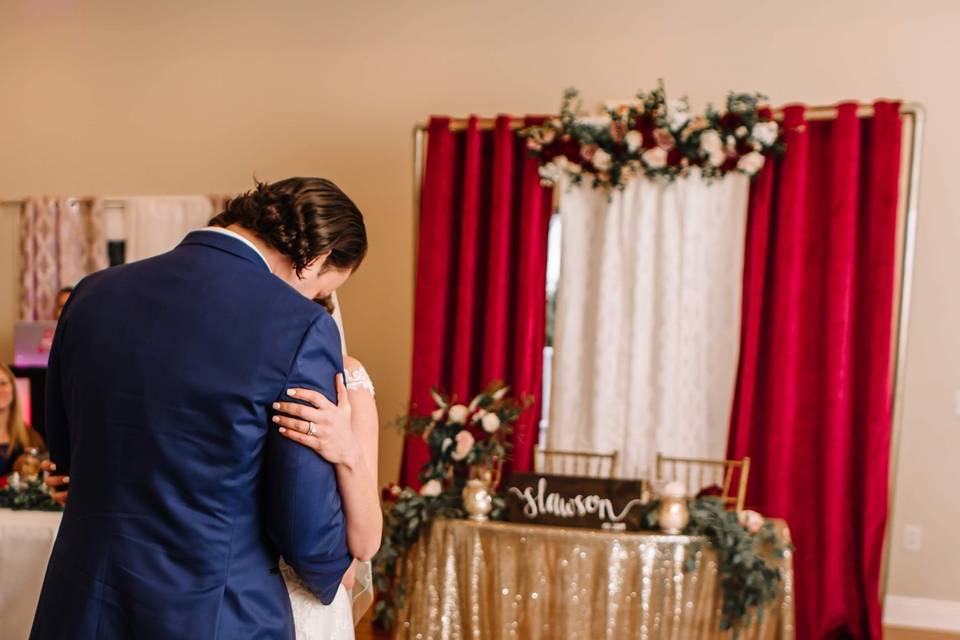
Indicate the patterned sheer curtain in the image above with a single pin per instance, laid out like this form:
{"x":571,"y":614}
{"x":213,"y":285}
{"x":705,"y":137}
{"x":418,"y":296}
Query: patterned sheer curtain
{"x":156,"y":224}
{"x":61,"y":241}
{"x":648,"y":319}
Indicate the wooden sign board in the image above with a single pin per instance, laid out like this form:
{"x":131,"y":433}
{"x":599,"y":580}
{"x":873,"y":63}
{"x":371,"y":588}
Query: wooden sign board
{"x":573,"y":501}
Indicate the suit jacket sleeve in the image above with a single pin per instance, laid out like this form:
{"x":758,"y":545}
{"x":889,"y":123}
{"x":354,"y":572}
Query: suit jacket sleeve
{"x":304,"y":516}
{"x":57,"y":428}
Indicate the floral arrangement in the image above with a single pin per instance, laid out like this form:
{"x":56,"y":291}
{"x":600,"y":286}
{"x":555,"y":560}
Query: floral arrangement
{"x":30,"y":494}
{"x":465,"y":441}
{"x":653,"y":137}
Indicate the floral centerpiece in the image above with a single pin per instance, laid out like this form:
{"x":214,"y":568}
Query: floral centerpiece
{"x":465,"y":441}
{"x":26,"y":493}
{"x":654,"y":137}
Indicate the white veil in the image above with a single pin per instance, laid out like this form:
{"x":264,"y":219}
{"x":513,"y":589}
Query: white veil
{"x":362,"y":594}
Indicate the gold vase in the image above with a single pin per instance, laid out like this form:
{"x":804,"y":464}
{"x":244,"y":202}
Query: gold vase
{"x":477,"y":499}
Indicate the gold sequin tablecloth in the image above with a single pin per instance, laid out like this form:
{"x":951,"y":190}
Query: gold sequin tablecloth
{"x":484,"y":581}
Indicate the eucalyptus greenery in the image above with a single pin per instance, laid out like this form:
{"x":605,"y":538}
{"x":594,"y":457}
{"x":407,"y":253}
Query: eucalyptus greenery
{"x":30,"y":495}
{"x":747,"y":582}
{"x":403,"y":521}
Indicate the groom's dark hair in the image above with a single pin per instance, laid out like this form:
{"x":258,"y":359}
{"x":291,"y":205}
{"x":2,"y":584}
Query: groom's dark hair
{"x":302,"y":218}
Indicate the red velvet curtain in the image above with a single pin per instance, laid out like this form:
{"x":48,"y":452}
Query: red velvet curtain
{"x":481,"y":276}
{"x":813,"y":400}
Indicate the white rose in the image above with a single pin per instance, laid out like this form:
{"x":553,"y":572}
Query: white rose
{"x":656,"y":158}
{"x":675,"y":489}
{"x":549,"y":173}
{"x":633,"y":139}
{"x":766,"y":133}
{"x":465,"y":442}
{"x":741,"y":131}
{"x":431,"y":488}
{"x":751,"y":521}
{"x":731,"y":142}
{"x":602,"y":160}
{"x":458,"y":414}
{"x":677,"y":115}
{"x":712,"y":145}
{"x":490,"y":422}
{"x":710,"y":141}
{"x":751,"y":163}
{"x":561,"y":162}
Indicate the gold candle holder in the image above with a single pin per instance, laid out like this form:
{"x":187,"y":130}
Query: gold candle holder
{"x":477,"y":499}
{"x":673,"y":514}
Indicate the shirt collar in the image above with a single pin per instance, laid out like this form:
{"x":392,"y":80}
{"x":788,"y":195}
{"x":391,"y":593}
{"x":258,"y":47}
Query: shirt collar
{"x":234,"y":234}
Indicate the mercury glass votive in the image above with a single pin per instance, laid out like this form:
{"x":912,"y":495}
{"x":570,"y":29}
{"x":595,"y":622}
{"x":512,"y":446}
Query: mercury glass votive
{"x":477,"y":500}
{"x":673,"y":514}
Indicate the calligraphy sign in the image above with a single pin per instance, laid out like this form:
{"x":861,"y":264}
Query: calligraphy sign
{"x":573,"y":501}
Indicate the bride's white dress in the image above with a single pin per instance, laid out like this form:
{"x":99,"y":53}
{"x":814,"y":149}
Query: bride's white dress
{"x":312,"y":619}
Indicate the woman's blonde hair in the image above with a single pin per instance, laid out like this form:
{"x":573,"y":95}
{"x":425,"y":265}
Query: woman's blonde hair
{"x":16,"y":427}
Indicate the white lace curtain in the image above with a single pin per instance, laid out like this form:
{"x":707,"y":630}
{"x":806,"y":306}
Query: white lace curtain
{"x":648,"y":318}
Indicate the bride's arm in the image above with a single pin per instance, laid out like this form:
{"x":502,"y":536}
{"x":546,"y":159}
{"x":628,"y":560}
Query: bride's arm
{"x":358,"y":484}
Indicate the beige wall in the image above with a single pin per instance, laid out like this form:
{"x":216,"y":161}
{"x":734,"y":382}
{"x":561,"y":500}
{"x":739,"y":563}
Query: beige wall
{"x":119,"y":98}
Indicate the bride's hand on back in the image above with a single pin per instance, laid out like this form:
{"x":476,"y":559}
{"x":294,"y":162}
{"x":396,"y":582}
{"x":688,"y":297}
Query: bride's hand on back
{"x":322,"y":426}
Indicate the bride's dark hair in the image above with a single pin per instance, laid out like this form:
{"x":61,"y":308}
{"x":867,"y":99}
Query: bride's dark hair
{"x":302,"y":218}
{"x":326,"y":302}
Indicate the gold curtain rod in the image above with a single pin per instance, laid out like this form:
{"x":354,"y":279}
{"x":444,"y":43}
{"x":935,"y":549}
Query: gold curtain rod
{"x":812,"y":113}
{"x":108,"y":203}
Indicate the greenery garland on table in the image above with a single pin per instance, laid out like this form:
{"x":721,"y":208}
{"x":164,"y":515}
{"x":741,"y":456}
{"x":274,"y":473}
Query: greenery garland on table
{"x":654,"y":137}
{"x":30,"y":495}
{"x":747,"y":582}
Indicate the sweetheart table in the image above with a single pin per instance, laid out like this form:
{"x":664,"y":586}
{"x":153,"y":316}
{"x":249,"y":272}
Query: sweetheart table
{"x":26,"y":539}
{"x":483,"y":581}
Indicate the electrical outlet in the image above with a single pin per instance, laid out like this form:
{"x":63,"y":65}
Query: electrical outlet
{"x":912,"y":537}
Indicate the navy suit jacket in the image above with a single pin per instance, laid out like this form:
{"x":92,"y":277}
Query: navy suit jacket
{"x":182,"y":494}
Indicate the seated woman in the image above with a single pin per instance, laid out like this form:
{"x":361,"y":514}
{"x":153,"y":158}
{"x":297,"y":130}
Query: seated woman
{"x":16,"y":438}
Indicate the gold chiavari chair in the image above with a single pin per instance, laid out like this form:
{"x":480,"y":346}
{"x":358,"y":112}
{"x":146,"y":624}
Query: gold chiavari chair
{"x":697,"y":474}
{"x":575,"y":463}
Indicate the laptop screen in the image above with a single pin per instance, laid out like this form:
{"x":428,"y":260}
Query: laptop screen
{"x":32,"y":342}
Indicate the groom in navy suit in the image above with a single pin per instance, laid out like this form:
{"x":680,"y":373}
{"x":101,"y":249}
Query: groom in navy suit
{"x":160,"y":383}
